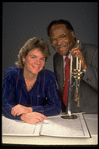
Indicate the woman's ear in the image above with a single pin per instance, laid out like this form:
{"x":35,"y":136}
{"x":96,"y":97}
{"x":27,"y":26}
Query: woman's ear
{"x":23,"y":59}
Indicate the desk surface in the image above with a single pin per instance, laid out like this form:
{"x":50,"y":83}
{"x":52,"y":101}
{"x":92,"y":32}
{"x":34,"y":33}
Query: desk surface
{"x":91,"y":121}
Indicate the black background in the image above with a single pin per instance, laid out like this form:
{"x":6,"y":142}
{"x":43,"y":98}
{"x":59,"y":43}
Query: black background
{"x":24,"y":20}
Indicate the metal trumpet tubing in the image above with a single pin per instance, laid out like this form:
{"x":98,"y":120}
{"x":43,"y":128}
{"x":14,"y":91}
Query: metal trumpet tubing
{"x":74,"y":81}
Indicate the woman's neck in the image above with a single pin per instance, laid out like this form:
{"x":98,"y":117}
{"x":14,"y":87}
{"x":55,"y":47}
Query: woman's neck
{"x":29,"y":76}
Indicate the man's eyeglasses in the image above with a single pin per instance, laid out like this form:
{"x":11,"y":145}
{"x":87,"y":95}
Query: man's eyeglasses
{"x":61,"y":38}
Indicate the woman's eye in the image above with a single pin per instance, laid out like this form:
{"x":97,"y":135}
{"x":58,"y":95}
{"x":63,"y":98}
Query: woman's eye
{"x":33,"y":57}
{"x":43,"y":59}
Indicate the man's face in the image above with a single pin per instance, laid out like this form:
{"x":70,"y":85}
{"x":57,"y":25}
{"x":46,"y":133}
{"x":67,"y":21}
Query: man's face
{"x":62,"y":40}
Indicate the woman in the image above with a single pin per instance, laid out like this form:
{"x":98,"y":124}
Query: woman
{"x":29,"y":90}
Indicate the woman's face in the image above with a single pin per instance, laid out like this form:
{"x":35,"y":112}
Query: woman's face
{"x":34,"y":61}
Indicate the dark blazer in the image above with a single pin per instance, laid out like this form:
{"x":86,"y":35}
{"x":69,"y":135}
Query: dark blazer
{"x":88,"y":83}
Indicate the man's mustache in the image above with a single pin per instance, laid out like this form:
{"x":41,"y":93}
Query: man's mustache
{"x":63,"y":45}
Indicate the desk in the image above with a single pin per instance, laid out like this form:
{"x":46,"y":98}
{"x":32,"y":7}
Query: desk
{"x":92,"y":123}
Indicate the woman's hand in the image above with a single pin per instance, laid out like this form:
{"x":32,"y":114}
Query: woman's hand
{"x":33,"y":117}
{"x":19,"y":109}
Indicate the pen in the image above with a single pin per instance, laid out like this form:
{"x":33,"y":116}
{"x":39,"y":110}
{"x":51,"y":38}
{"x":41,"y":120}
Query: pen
{"x":43,"y":122}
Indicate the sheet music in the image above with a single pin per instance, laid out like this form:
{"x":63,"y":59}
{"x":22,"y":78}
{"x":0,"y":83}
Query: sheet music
{"x":19,"y":128}
{"x":60,"y":127}
{"x":56,"y":127}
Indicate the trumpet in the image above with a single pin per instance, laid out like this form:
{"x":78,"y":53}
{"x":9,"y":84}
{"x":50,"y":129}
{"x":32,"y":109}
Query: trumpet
{"x":75,"y":73}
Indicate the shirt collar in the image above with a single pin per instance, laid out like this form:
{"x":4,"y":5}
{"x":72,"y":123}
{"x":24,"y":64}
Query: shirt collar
{"x":65,"y":56}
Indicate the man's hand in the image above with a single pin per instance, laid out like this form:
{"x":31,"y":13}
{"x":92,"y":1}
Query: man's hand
{"x":33,"y":117}
{"x":77,"y":53}
{"x":19,"y":109}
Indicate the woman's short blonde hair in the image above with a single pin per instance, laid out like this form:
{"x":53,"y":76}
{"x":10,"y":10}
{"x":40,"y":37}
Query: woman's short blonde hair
{"x":30,"y":45}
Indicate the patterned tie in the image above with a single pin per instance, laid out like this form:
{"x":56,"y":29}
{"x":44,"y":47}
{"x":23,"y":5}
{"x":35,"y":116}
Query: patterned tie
{"x":67,"y":72}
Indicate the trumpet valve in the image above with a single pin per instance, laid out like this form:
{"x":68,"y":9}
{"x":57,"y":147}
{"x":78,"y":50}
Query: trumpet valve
{"x":78,"y":105}
{"x":76,"y":99}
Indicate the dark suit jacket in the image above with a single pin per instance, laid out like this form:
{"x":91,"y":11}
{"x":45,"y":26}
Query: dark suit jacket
{"x":89,"y":82}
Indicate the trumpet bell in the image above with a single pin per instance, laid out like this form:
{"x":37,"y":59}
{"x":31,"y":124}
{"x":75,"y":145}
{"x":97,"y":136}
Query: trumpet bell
{"x":69,"y":117}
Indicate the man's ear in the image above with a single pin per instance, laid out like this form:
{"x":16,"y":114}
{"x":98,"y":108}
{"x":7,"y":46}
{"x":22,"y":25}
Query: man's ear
{"x":73,"y":34}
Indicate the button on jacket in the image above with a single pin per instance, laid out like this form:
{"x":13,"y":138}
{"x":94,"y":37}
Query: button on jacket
{"x":43,"y":97}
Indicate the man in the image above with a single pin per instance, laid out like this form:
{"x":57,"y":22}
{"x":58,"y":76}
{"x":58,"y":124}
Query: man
{"x":62,"y":39}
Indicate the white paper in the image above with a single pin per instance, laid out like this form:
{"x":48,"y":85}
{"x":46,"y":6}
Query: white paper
{"x":59,"y":127}
{"x":56,"y":126}
{"x":19,"y":128}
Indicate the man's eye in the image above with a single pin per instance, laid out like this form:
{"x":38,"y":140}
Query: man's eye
{"x":63,"y":36}
{"x":52,"y":40}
